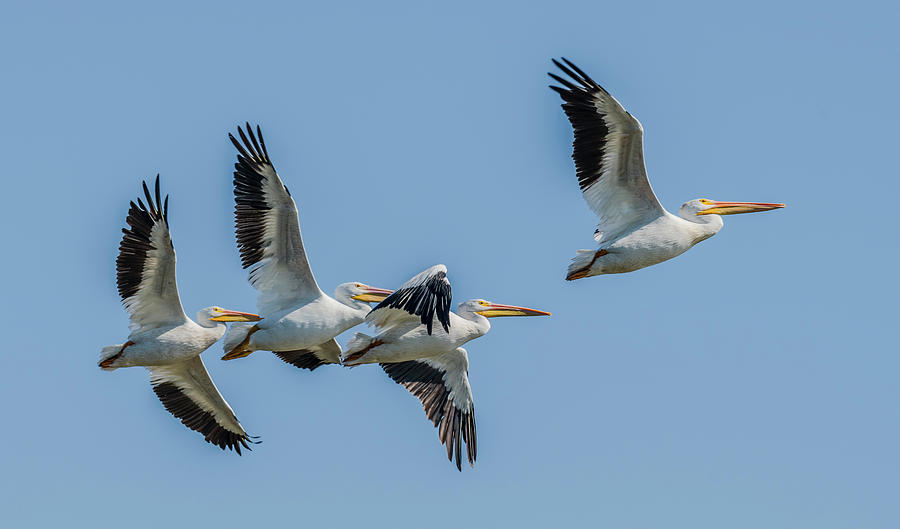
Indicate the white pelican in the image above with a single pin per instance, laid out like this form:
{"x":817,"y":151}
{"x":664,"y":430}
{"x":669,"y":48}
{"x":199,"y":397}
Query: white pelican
{"x":426,"y":358}
{"x":635,"y":231}
{"x":163,"y":339}
{"x":300,"y":321}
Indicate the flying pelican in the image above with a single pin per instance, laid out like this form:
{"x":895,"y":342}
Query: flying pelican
{"x":635,"y":231}
{"x":300,"y":321}
{"x":427,"y":358}
{"x":163,"y":339}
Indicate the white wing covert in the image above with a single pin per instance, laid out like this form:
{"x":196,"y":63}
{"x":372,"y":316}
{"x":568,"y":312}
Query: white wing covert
{"x":188,"y":393}
{"x":145,"y":267}
{"x":609,"y":155}
{"x":441,"y":383}
{"x":424,"y":297}
{"x":267,"y":228}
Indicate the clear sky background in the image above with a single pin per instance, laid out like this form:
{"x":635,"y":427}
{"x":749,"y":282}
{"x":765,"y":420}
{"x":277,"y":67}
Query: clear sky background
{"x":749,"y":383}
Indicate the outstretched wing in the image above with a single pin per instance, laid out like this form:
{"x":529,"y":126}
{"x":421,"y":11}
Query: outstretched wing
{"x":145,"y":268}
{"x":313,"y":357}
{"x":609,"y":155}
{"x":441,"y":383}
{"x":425,"y":296}
{"x":186,"y":390}
{"x":267,"y":228}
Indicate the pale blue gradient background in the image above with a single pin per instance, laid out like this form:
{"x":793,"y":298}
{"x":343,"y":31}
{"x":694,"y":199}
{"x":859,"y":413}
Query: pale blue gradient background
{"x":750,"y":383}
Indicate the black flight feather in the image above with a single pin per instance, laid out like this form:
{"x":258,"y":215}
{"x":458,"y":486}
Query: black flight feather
{"x":250,"y":204}
{"x":427,"y":299}
{"x":580,"y":105}
{"x":302,"y":358}
{"x":197,"y":419}
{"x":454,"y":425}
{"x":135,"y":243}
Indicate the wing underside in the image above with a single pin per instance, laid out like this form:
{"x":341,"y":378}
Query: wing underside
{"x":188,"y":393}
{"x":441,"y":383}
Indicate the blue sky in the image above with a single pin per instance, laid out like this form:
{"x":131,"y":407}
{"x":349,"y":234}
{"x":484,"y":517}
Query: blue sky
{"x":749,"y":383}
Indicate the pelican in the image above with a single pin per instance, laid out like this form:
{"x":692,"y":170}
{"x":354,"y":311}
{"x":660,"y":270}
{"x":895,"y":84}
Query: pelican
{"x":426,"y":357}
{"x":163,"y":339}
{"x":635,"y":231}
{"x":300,"y":321}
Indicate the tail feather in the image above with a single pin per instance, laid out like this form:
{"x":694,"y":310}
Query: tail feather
{"x":581,"y":264}
{"x":236,"y":334}
{"x":108,"y":355}
{"x":358,"y":343}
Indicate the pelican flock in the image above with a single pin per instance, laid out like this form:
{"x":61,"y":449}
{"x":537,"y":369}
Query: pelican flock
{"x":418,"y":340}
{"x":634,"y":231}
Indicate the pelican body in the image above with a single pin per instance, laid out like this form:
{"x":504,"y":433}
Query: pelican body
{"x":163,"y":339}
{"x":634,"y":231}
{"x":307,"y":328}
{"x":419,"y":347}
{"x":299,"y":320}
{"x":173,"y":342}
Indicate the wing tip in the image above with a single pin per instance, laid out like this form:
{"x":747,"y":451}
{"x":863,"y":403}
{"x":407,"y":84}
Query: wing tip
{"x":578,"y":75}
{"x":249,"y":147}
{"x":182,"y":407}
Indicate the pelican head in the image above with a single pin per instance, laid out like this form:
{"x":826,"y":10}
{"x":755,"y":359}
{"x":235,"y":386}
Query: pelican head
{"x":493,"y":310}
{"x":219,"y":314}
{"x":361,"y":292}
{"x":705,"y":206}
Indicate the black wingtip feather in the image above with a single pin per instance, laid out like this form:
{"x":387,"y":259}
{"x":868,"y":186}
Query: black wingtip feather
{"x":262,"y":142}
{"x":590,"y":129}
{"x":584,"y":77}
{"x":158,"y":200}
{"x":255,"y":143}
{"x":579,"y":79}
{"x":238,"y":146}
{"x":195,"y":418}
{"x":136,"y":240}
{"x":250,"y":204}
{"x":565,"y":82}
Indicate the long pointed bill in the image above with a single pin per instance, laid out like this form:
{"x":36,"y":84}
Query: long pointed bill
{"x":233,"y":315}
{"x":733,"y":208}
{"x":495,"y":309}
{"x":373,"y":294}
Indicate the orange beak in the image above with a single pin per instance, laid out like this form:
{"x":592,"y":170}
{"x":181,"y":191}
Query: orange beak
{"x":233,"y":315}
{"x":373,"y":294}
{"x":733,"y":208}
{"x":496,"y":309}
